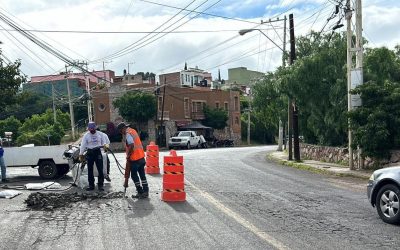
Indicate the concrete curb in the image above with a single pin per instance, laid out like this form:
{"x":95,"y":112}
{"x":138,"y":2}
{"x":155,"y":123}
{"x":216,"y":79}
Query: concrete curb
{"x":319,"y":167}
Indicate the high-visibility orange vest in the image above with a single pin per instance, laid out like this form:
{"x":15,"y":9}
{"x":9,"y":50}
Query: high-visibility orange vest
{"x":138,"y":152}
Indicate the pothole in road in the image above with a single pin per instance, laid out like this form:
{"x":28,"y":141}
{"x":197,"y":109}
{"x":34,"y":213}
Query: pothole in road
{"x":50,"y":201}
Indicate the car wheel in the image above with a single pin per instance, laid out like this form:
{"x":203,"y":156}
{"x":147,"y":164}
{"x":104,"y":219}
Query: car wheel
{"x":47,"y":170}
{"x":387,"y":204}
{"x":188,"y":145}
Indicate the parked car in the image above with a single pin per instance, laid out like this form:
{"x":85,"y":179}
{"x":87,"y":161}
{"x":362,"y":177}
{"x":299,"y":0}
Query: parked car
{"x":185,"y":139}
{"x":383,"y":192}
{"x":49,"y":159}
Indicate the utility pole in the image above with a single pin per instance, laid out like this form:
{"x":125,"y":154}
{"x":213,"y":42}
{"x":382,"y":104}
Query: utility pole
{"x":162,"y":115}
{"x":84,"y":67}
{"x":280,"y":135}
{"x":54,"y":104}
{"x":248,"y":119}
{"x":359,"y":58}
{"x":71,"y":109}
{"x":89,"y":101}
{"x":294,"y":110}
{"x":348,"y":14}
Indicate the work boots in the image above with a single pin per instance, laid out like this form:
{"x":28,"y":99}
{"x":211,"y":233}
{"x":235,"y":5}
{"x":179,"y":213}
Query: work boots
{"x":143,"y":195}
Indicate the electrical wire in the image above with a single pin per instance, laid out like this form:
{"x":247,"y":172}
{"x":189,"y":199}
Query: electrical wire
{"x":28,"y":49}
{"x":180,"y":25}
{"x":198,"y":12}
{"x":142,"y":38}
{"x":79,"y":55}
{"x":128,"y":32}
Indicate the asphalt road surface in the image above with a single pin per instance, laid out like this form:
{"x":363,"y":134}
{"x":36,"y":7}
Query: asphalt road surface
{"x":236,"y":199}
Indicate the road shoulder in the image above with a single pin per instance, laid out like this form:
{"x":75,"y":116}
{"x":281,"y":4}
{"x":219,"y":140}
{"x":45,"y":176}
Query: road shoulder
{"x":281,"y":158}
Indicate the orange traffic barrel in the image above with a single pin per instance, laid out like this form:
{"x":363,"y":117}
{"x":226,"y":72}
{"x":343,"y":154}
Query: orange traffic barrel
{"x":152,"y":159}
{"x":173,"y":178}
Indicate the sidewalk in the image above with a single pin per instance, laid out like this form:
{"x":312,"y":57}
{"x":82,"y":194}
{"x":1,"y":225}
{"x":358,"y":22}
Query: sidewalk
{"x":319,"y":167}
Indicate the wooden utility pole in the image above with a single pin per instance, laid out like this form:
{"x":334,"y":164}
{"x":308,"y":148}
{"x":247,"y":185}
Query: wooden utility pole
{"x":348,"y":14}
{"x":280,"y":135}
{"x":359,"y":60}
{"x":71,"y":108}
{"x":294,"y":110}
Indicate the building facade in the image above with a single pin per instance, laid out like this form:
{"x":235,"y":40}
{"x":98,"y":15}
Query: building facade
{"x":192,"y":77}
{"x":182,"y":106}
{"x":241,"y":77}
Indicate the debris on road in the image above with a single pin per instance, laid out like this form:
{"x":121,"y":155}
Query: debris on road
{"x":9,"y":194}
{"x":44,"y":185}
{"x":50,"y":201}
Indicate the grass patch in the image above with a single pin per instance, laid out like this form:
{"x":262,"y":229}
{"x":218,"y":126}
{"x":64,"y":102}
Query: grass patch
{"x":301,"y":166}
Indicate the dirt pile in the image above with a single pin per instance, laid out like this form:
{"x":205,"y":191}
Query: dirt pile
{"x":49,"y":201}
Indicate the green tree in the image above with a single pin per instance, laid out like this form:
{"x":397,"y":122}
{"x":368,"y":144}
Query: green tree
{"x":376,"y":123}
{"x":11,"y":80}
{"x":317,"y":83}
{"x":136,"y":106}
{"x":45,"y":134}
{"x":27,"y":104}
{"x":36,"y":121}
{"x":41,"y":129}
{"x":11,"y":124}
{"x":215,"y":118}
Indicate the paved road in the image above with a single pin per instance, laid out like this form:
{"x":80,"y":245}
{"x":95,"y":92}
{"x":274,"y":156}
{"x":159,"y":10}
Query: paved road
{"x":236,"y":200}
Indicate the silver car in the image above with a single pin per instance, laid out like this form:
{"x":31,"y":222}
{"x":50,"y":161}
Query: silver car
{"x":383,"y":192}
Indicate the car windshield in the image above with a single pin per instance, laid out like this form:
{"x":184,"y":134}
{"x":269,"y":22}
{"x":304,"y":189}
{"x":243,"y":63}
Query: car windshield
{"x":185,"y":133}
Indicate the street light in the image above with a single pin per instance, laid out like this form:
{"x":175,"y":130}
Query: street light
{"x":245,"y":31}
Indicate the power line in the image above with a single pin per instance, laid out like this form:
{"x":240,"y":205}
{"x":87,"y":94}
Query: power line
{"x":125,"y":32}
{"x":137,"y":48}
{"x":137,"y":41}
{"x":198,"y":12}
{"x":24,"y":46}
{"x":45,"y":35}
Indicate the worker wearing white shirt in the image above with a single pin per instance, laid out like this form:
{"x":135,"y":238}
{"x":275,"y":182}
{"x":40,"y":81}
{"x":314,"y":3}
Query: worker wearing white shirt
{"x":92,"y":141}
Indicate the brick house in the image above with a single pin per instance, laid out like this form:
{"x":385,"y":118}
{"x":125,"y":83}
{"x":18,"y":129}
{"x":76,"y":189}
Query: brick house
{"x":182,"y":106}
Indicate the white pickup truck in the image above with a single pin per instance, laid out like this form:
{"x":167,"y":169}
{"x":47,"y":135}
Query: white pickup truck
{"x":187,"y":139}
{"x":49,"y":159}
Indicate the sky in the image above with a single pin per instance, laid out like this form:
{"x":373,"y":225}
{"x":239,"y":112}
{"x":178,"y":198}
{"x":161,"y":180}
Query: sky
{"x":210,"y":42}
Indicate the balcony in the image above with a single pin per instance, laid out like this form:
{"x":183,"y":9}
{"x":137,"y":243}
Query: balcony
{"x":198,"y":115}
{"x":165,"y":116}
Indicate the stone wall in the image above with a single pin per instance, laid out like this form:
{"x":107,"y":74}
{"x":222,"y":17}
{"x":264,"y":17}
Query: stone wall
{"x":341,"y":155}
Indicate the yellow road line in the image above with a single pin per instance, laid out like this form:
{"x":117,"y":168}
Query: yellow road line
{"x":242,"y":221}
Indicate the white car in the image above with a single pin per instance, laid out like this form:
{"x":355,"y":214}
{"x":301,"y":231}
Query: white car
{"x":185,"y":139}
{"x":49,"y":159}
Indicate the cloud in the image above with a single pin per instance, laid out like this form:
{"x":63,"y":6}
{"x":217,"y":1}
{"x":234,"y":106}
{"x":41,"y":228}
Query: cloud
{"x":171,"y":51}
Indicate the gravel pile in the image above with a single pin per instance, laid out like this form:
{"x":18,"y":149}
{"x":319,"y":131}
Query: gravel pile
{"x":49,"y":201}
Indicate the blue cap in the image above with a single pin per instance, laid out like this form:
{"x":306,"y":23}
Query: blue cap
{"x":91,"y":125}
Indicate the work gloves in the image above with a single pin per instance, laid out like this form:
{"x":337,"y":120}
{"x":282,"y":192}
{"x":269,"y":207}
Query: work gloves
{"x":81,"y":158}
{"x":106,"y":147}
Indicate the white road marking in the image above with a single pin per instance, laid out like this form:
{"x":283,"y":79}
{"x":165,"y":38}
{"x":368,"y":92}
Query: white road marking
{"x":242,"y":221}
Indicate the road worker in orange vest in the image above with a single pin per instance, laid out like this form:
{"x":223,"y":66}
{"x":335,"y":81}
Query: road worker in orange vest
{"x":135,"y":159}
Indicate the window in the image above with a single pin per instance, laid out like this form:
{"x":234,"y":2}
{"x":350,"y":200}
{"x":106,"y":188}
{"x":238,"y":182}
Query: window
{"x":159,"y":103}
{"x":172,"y":107}
{"x":226,"y":106}
{"x":182,"y":80}
{"x":198,"y":106}
{"x":186,"y":107}
{"x":217,"y":105}
{"x":236,"y":103}
{"x":102,"y":107}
